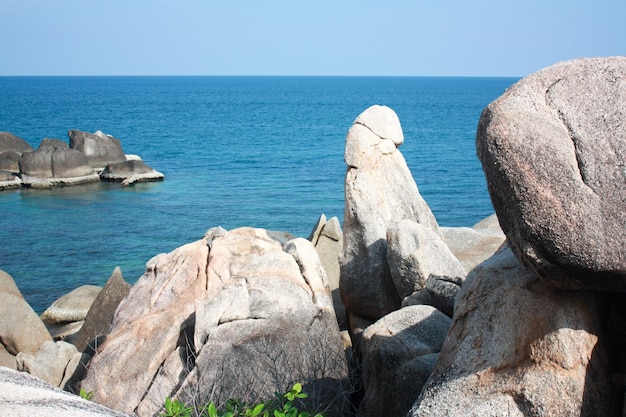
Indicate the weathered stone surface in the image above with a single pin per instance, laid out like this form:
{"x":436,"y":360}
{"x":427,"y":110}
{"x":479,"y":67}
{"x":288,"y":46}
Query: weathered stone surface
{"x":53,"y":143}
{"x":130,"y":171}
{"x":399,"y":352}
{"x":99,"y":148}
{"x":10,"y":142}
{"x":439,"y":292}
{"x":553,"y":148}
{"x":23,"y":395}
{"x":379,"y":192}
{"x":9,"y":179}
{"x":9,"y":161}
{"x":21,"y":329}
{"x":100,"y":315}
{"x":518,"y":347}
{"x":416,"y":253}
{"x":65,"y":331}
{"x":327,"y":238}
{"x":6,"y":359}
{"x":72,"y":306}
{"x":49,"y":362}
{"x":49,"y":165}
{"x":471,"y":246}
{"x":217,"y":317}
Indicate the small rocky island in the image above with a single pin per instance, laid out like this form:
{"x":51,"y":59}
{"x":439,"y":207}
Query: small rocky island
{"x":520,"y":315}
{"x":88,"y":157}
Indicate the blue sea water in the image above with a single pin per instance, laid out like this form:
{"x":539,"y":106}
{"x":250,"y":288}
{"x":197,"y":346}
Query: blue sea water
{"x":236,"y":151}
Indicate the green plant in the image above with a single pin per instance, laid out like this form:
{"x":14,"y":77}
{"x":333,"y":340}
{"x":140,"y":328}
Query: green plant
{"x":175,"y":408}
{"x":85,"y":395}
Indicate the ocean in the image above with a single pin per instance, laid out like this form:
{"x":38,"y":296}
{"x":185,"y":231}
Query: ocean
{"x":236,"y":151}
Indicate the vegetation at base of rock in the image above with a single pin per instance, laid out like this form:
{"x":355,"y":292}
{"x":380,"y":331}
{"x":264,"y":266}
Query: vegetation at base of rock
{"x":85,"y":395}
{"x":285,"y":405}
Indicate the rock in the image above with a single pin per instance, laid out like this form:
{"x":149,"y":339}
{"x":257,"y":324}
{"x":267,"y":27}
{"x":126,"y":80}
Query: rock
{"x":100,"y":149}
{"x":471,"y":246}
{"x":48,"y":166}
{"x":6,"y":359}
{"x":10,"y":142}
{"x":9,"y":161}
{"x":518,"y":347}
{"x":553,"y":148}
{"x":399,"y":353}
{"x":49,"y":362}
{"x":100,"y":315}
{"x":9,"y":179}
{"x":53,"y":143}
{"x":21,"y":329}
{"x":72,"y":306}
{"x":217,"y":316}
{"x":65,"y":331}
{"x":379,"y":192}
{"x":416,"y":253}
{"x":24,"y":395}
{"x":129,"y":172}
{"x":439,"y":292}
{"x":327,"y":238}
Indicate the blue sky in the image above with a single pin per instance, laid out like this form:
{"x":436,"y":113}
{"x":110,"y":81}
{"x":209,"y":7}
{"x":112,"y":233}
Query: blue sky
{"x":323,"y":37}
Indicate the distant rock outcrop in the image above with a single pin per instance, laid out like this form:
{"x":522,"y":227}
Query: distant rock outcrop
{"x":99,"y":148}
{"x":49,"y":165}
{"x":379,"y":192}
{"x":553,"y":148}
{"x":10,"y":142}
{"x":129,"y":172}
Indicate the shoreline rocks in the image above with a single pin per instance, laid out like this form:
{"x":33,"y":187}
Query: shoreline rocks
{"x":89,"y":157}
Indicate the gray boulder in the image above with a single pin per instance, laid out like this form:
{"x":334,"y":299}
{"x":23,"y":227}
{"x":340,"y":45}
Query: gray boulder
{"x":48,"y":166}
{"x":471,"y":246}
{"x":21,"y":329}
{"x":99,"y":148}
{"x":53,"y":143}
{"x":327,"y":238}
{"x":24,"y":395}
{"x":9,"y":161}
{"x":234,"y":314}
{"x":553,"y":148}
{"x":518,"y":347}
{"x":379,"y":192}
{"x":100,"y":314}
{"x":399,"y":353}
{"x":10,"y":142}
{"x":72,"y":306}
{"x":416,"y":253}
{"x":49,"y":363}
{"x":129,"y":172}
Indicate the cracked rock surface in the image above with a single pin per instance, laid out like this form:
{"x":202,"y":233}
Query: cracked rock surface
{"x":238,"y":314}
{"x":553,"y":148}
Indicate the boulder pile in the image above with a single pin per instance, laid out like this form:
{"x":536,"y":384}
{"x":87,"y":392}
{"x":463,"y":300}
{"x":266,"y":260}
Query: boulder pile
{"x":519,"y":315}
{"x":88,"y":157}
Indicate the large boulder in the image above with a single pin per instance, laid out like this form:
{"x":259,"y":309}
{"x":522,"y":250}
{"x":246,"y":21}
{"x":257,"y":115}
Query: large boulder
{"x":100,"y":314}
{"x":101,"y":149}
{"x":379,"y":192}
{"x":399,"y":353}
{"x":24,"y":395}
{"x":518,"y":347}
{"x":10,"y":142}
{"x":49,"y":166}
{"x":553,"y":148}
{"x":72,"y":306}
{"x":129,"y":172}
{"x":236,"y":314}
{"x":49,"y":363}
{"x":9,"y":161}
{"x":415,"y":254}
{"x":21,"y":329}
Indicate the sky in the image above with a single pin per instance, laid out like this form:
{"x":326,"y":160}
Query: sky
{"x":300,"y":37}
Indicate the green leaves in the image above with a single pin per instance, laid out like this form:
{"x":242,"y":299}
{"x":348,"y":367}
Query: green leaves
{"x":281,"y":406}
{"x":86,"y":395}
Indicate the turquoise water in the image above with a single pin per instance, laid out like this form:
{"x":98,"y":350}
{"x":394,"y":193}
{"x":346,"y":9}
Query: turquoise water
{"x":236,"y":151}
